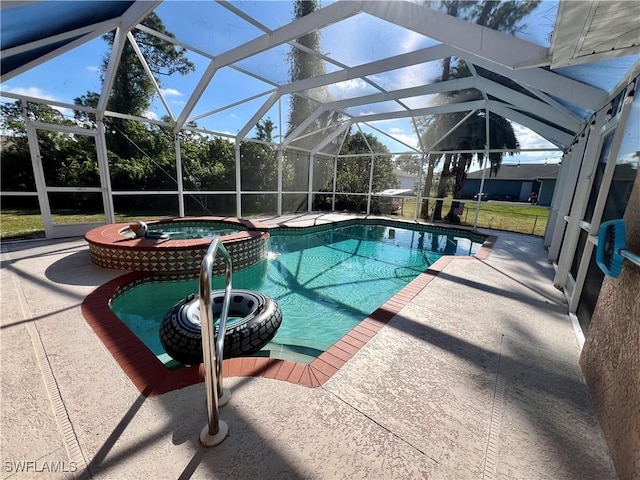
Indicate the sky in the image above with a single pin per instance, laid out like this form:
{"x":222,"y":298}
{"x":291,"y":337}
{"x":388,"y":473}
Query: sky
{"x":210,"y":27}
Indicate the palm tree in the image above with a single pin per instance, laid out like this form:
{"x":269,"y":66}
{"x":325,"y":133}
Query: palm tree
{"x":471,"y":135}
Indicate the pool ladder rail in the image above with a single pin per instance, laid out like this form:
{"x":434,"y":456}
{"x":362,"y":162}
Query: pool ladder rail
{"x":216,"y":430}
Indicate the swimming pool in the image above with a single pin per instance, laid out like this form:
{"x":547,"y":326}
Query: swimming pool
{"x":326,"y":280}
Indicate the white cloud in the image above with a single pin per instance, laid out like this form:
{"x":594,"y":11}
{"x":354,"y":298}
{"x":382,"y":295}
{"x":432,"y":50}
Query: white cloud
{"x":151,"y":115}
{"x":171,"y":92}
{"x":37,"y":92}
{"x":400,"y":131}
{"x":402,"y":135}
{"x":405,"y":138}
{"x":29,"y":92}
{"x":354,"y":84}
{"x":529,"y":139}
{"x":93,"y":68}
{"x":177,"y":102}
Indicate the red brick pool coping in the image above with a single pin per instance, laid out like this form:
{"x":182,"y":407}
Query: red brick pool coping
{"x":151,"y":377}
{"x":110,"y":235}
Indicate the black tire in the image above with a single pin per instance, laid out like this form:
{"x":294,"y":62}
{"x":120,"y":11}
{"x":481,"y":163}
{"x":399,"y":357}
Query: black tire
{"x":181,"y":337}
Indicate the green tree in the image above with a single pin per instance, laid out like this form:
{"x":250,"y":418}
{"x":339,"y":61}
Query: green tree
{"x":208,"y":164}
{"x":259,"y":168}
{"x":505,"y":16}
{"x":133,"y":91}
{"x":141,"y":156}
{"x":353,"y":173}
{"x":67,"y":159}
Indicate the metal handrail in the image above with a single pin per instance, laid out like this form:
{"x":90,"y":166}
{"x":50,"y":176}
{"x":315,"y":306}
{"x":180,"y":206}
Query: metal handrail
{"x":213,"y":354}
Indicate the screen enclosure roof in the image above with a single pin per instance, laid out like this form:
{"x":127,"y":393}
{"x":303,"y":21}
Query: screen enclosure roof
{"x":377,"y":65}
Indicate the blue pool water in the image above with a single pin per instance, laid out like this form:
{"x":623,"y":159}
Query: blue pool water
{"x":188,"y":231}
{"x":326,"y":282}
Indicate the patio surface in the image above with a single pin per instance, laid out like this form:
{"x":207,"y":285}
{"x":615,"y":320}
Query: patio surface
{"x":476,"y":377}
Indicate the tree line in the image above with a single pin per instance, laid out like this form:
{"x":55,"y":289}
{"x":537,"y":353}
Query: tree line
{"x":142,"y":156}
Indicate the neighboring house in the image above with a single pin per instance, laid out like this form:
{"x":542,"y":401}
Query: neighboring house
{"x":515,"y":182}
{"x":408,"y":181}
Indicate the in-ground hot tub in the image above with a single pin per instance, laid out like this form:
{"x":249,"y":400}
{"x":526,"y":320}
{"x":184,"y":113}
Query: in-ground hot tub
{"x":116,"y":246}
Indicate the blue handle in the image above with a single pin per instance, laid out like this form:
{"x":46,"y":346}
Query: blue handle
{"x":612,"y":250}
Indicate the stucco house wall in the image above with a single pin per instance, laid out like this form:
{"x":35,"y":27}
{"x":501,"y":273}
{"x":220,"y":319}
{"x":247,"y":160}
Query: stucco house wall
{"x":493,"y":187}
{"x":610,"y":357}
{"x":515,"y":181}
{"x":407,"y":180}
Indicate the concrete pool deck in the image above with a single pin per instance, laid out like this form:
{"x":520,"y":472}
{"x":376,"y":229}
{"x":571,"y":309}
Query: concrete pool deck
{"x":477,"y":376}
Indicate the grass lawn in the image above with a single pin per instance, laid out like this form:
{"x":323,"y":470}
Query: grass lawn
{"x":513,"y":217}
{"x":21,"y":223}
{"x":500,"y":216}
{"x":28,"y":223}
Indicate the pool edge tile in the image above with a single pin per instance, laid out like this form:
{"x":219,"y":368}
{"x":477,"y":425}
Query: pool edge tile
{"x":296,"y":373}
{"x":285,"y":370}
{"x":273,"y":367}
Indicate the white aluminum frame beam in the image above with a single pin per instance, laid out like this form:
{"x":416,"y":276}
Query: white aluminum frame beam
{"x":231,"y":105}
{"x":528,"y":104}
{"x":572,"y":91}
{"x":73,"y":130}
{"x":43,"y":101}
{"x":464,"y":119}
{"x":38,"y":173}
{"x":134,"y":15}
{"x":110,"y":74}
{"x":592,"y":227}
{"x":314,"y":132}
{"x":105,"y":175}
{"x":553,"y":103}
{"x":271,"y":101}
{"x":149,"y":73}
{"x":109,"y":113}
{"x":423,"y":55}
{"x":301,"y":128}
{"x":412,"y":149}
{"x":440,"y":87}
{"x":479,"y":41}
{"x":580,"y":199}
{"x":558,"y":137}
{"x":420,"y":56}
{"x":173,"y":41}
{"x":441,"y":109}
{"x":312,"y":22}
{"x":329,"y":138}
